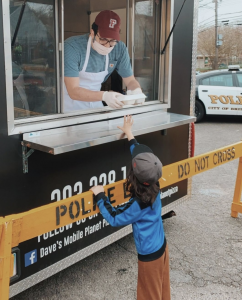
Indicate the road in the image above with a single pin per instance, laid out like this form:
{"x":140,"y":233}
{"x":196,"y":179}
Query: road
{"x":205,"y":243}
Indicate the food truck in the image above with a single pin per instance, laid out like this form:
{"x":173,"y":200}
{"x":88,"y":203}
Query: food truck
{"x":48,"y":155}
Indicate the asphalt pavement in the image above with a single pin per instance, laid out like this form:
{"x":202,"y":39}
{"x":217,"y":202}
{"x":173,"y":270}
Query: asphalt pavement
{"x":205,"y":242}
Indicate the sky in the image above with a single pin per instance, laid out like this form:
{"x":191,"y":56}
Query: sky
{"x":227,"y":10}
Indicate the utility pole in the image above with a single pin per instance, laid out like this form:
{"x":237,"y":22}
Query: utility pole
{"x":216,"y":35}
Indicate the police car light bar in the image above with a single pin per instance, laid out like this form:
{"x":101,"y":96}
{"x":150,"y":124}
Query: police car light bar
{"x":234,"y":67}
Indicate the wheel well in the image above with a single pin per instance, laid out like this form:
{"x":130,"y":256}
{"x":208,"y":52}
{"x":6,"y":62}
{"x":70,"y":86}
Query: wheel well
{"x":197,"y":99}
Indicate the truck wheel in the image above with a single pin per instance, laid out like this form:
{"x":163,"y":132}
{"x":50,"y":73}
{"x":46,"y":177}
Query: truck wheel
{"x":199,"y":111}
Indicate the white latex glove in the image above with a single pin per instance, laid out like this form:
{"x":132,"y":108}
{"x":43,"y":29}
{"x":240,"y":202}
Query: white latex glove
{"x":111,"y":99}
{"x":135,"y":92}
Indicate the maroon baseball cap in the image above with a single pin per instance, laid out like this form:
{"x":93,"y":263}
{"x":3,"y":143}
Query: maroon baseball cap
{"x":108,"y":24}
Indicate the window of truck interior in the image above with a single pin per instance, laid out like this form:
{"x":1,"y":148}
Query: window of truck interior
{"x":49,"y":40}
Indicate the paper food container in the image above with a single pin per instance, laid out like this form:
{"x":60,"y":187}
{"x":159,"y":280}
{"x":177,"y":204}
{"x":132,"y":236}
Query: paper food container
{"x":131,"y":99}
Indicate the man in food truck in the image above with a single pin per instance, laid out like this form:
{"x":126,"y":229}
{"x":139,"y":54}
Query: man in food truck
{"x":89,"y":61}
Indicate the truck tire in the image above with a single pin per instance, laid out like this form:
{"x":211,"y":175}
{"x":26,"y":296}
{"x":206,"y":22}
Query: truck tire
{"x":199,"y":111}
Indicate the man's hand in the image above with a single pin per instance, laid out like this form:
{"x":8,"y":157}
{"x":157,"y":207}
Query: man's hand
{"x":136,"y":92}
{"x":131,"y":83}
{"x":111,"y":99}
{"x":127,"y":127}
{"x":97,"y":189}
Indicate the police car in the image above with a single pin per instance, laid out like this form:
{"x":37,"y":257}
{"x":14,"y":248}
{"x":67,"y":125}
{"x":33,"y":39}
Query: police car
{"x":219,"y":93}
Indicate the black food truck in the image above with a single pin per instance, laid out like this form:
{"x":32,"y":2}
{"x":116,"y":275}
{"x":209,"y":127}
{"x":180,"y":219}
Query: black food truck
{"x":48,"y":155}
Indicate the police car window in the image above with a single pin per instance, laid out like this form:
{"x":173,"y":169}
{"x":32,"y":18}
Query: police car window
{"x":33,"y":58}
{"x":219,"y":80}
{"x":240,"y":79}
{"x":205,"y":81}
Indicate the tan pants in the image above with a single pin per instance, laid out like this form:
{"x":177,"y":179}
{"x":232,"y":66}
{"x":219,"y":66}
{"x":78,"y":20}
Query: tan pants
{"x":154,"y":279}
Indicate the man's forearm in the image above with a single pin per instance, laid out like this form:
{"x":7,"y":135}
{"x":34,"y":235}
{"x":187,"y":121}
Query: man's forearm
{"x":81,"y":94}
{"x":133,"y":84}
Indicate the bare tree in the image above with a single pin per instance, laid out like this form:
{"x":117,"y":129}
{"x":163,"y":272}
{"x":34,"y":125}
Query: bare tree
{"x":231,"y":49}
{"x":44,"y":13}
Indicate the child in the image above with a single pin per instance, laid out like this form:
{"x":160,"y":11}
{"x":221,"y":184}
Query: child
{"x":143,"y":211}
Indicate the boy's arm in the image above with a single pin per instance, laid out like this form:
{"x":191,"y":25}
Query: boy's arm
{"x":132,"y":144}
{"x":129,"y":213}
{"x":130,"y":135}
{"x":120,"y":216}
{"x":127,"y":129}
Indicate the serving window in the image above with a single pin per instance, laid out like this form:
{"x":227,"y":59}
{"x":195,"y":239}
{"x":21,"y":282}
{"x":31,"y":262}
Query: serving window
{"x":34,"y":33}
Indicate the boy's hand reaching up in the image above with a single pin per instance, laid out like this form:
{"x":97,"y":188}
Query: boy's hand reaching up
{"x":127,"y":127}
{"x":97,"y":189}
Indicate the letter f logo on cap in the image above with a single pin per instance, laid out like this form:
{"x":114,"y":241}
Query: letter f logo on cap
{"x":113,"y":22}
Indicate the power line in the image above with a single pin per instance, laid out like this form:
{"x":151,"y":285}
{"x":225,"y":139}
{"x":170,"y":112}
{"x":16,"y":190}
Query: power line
{"x":220,"y":21}
{"x":221,"y":15}
{"x":205,"y":8}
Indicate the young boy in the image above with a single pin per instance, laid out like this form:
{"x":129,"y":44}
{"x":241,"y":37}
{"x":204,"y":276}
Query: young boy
{"x":143,"y":211}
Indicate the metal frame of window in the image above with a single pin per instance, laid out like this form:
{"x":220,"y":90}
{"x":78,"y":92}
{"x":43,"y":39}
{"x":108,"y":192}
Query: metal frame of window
{"x":78,"y":117}
{"x":167,"y":11}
